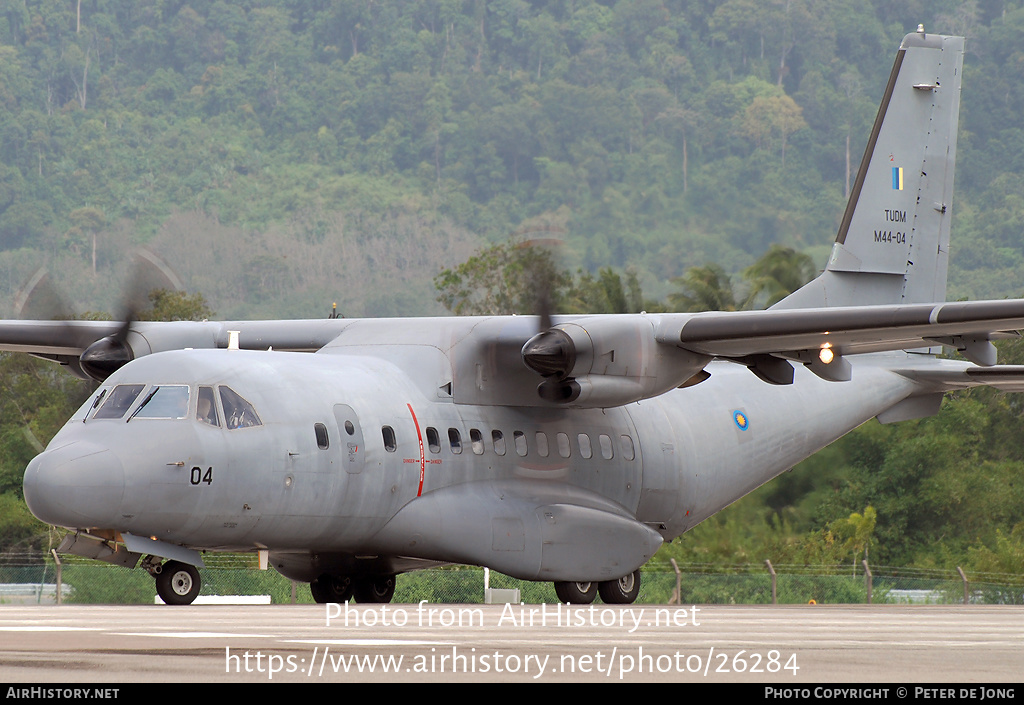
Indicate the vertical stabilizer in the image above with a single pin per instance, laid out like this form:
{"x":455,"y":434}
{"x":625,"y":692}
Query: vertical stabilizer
{"x":893,"y":242}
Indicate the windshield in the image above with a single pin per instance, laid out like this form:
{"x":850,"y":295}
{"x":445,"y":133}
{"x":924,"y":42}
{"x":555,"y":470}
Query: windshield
{"x":238,"y":413}
{"x":119,"y":401}
{"x":166,"y":402}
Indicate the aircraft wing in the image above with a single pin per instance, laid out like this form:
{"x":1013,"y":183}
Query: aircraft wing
{"x":96,"y":348}
{"x":602,"y":361}
{"x":53,"y":337}
{"x":968,"y":326}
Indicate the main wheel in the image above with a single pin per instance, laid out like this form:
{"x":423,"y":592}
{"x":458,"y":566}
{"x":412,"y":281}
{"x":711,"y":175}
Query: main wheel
{"x":331,"y":588}
{"x":178,"y":583}
{"x":576,"y":593}
{"x":622,"y":591}
{"x":374,"y":588}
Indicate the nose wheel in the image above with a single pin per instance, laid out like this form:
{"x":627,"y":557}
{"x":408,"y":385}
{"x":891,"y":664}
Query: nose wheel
{"x":178,"y":583}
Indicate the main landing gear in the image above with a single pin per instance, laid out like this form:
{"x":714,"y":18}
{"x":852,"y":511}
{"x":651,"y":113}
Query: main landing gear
{"x":623,"y":591}
{"x":369,"y":589}
{"x":177,"y":583}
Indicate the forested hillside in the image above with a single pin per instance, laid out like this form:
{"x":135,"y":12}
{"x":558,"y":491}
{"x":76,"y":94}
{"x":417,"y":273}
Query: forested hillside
{"x":282,"y":155}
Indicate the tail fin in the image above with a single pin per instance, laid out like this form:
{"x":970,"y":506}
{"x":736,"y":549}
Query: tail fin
{"x":893,"y":243}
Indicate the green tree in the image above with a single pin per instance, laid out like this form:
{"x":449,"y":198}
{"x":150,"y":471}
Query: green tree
{"x":87,"y":221}
{"x":706,"y":288}
{"x":501,"y":279}
{"x":777,"y":274}
{"x":169,"y":305}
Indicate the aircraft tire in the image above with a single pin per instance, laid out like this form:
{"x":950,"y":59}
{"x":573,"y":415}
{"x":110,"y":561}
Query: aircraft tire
{"x":331,"y":588}
{"x":374,"y":588}
{"x":576,"y":593}
{"x":623,"y":591}
{"x":178,"y":583}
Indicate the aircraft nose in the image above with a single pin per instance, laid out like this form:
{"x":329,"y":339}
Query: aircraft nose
{"x":79,"y":485}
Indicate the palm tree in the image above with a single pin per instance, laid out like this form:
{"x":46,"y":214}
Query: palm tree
{"x":706,"y":288}
{"x":778,"y":273}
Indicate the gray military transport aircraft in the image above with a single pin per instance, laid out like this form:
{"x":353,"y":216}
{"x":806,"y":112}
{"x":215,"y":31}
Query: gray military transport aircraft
{"x":563,"y":449}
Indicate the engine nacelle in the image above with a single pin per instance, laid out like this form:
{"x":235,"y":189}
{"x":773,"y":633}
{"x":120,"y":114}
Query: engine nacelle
{"x":607,"y":361}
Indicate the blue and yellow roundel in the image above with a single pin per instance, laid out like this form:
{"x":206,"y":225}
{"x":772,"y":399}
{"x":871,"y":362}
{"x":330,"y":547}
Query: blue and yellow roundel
{"x":740,"y":419}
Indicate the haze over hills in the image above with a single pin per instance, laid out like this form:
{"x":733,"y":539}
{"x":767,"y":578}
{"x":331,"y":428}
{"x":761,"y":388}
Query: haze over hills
{"x":281,"y":155}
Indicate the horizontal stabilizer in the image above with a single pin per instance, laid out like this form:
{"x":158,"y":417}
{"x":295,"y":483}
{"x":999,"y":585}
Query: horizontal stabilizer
{"x":1005,"y":378}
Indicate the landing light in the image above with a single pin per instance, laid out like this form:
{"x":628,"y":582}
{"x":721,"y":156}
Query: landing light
{"x":826,"y":355}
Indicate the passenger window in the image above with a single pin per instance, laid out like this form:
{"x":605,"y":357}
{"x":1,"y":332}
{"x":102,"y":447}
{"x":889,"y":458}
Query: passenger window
{"x":433,"y":440}
{"x":238,"y":413}
{"x":389,"y":439}
{"x":477,"y":440}
{"x":206,"y":407}
{"x":322,"y":441}
{"x":626,"y":446}
{"x":585,"y":450}
{"x":542,"y":444}
{"x":563,"y":445}
{"x":499,"y":442}
{"x":455,"y":440}
{"x":606,"y":446}
{"x":119,"y":401}
{"x":520,"y":441}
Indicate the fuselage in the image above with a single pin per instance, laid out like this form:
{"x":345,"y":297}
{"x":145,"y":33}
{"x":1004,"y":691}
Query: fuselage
{"x":339,"y":443}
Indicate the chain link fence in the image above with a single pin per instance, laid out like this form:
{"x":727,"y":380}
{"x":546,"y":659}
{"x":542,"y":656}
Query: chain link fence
{"x":31,"y":580}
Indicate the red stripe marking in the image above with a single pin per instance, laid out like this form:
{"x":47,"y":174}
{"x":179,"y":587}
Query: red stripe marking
{"x":423,"y":459}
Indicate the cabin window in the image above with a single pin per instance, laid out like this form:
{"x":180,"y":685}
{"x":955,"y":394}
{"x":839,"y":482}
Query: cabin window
{"x":455,"y":440}
{"x":585,"y":450}
{"x":118,"y":401}
{"x":626,"y":446}
{"x":322,"y":441}
{"x":237,"y":411}
{"x":563,"y":444}
{"x":606,"y":446}
{"x":477,"y":440}
{"x":542,"y":444}
{"x":499,"y":442}
{"x":206,"y":407}
{"x":388,"y":434}
{"x":520,"y":441}
{"x":433,"y":440}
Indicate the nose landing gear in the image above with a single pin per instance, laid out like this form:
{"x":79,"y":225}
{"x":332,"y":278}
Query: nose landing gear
{"x":177,"y":583}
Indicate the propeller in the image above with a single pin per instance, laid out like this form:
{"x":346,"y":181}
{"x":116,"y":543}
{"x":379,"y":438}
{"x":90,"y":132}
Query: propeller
{"x":39,"y":299}
{"x":550,"y":353}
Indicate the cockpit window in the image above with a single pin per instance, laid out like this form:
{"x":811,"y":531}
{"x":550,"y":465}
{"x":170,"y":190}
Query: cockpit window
{"x":164,"y":402}
{"x":206,"y":407}
{"x":118,"y":401}
{"x":91,"y":404}
{"x":238,"y":413}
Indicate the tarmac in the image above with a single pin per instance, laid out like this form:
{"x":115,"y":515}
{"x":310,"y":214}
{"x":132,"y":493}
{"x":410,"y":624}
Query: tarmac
{"x":784,"y":645}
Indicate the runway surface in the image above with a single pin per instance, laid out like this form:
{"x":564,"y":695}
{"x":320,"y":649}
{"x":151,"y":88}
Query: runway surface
{"x":550,"y":643}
